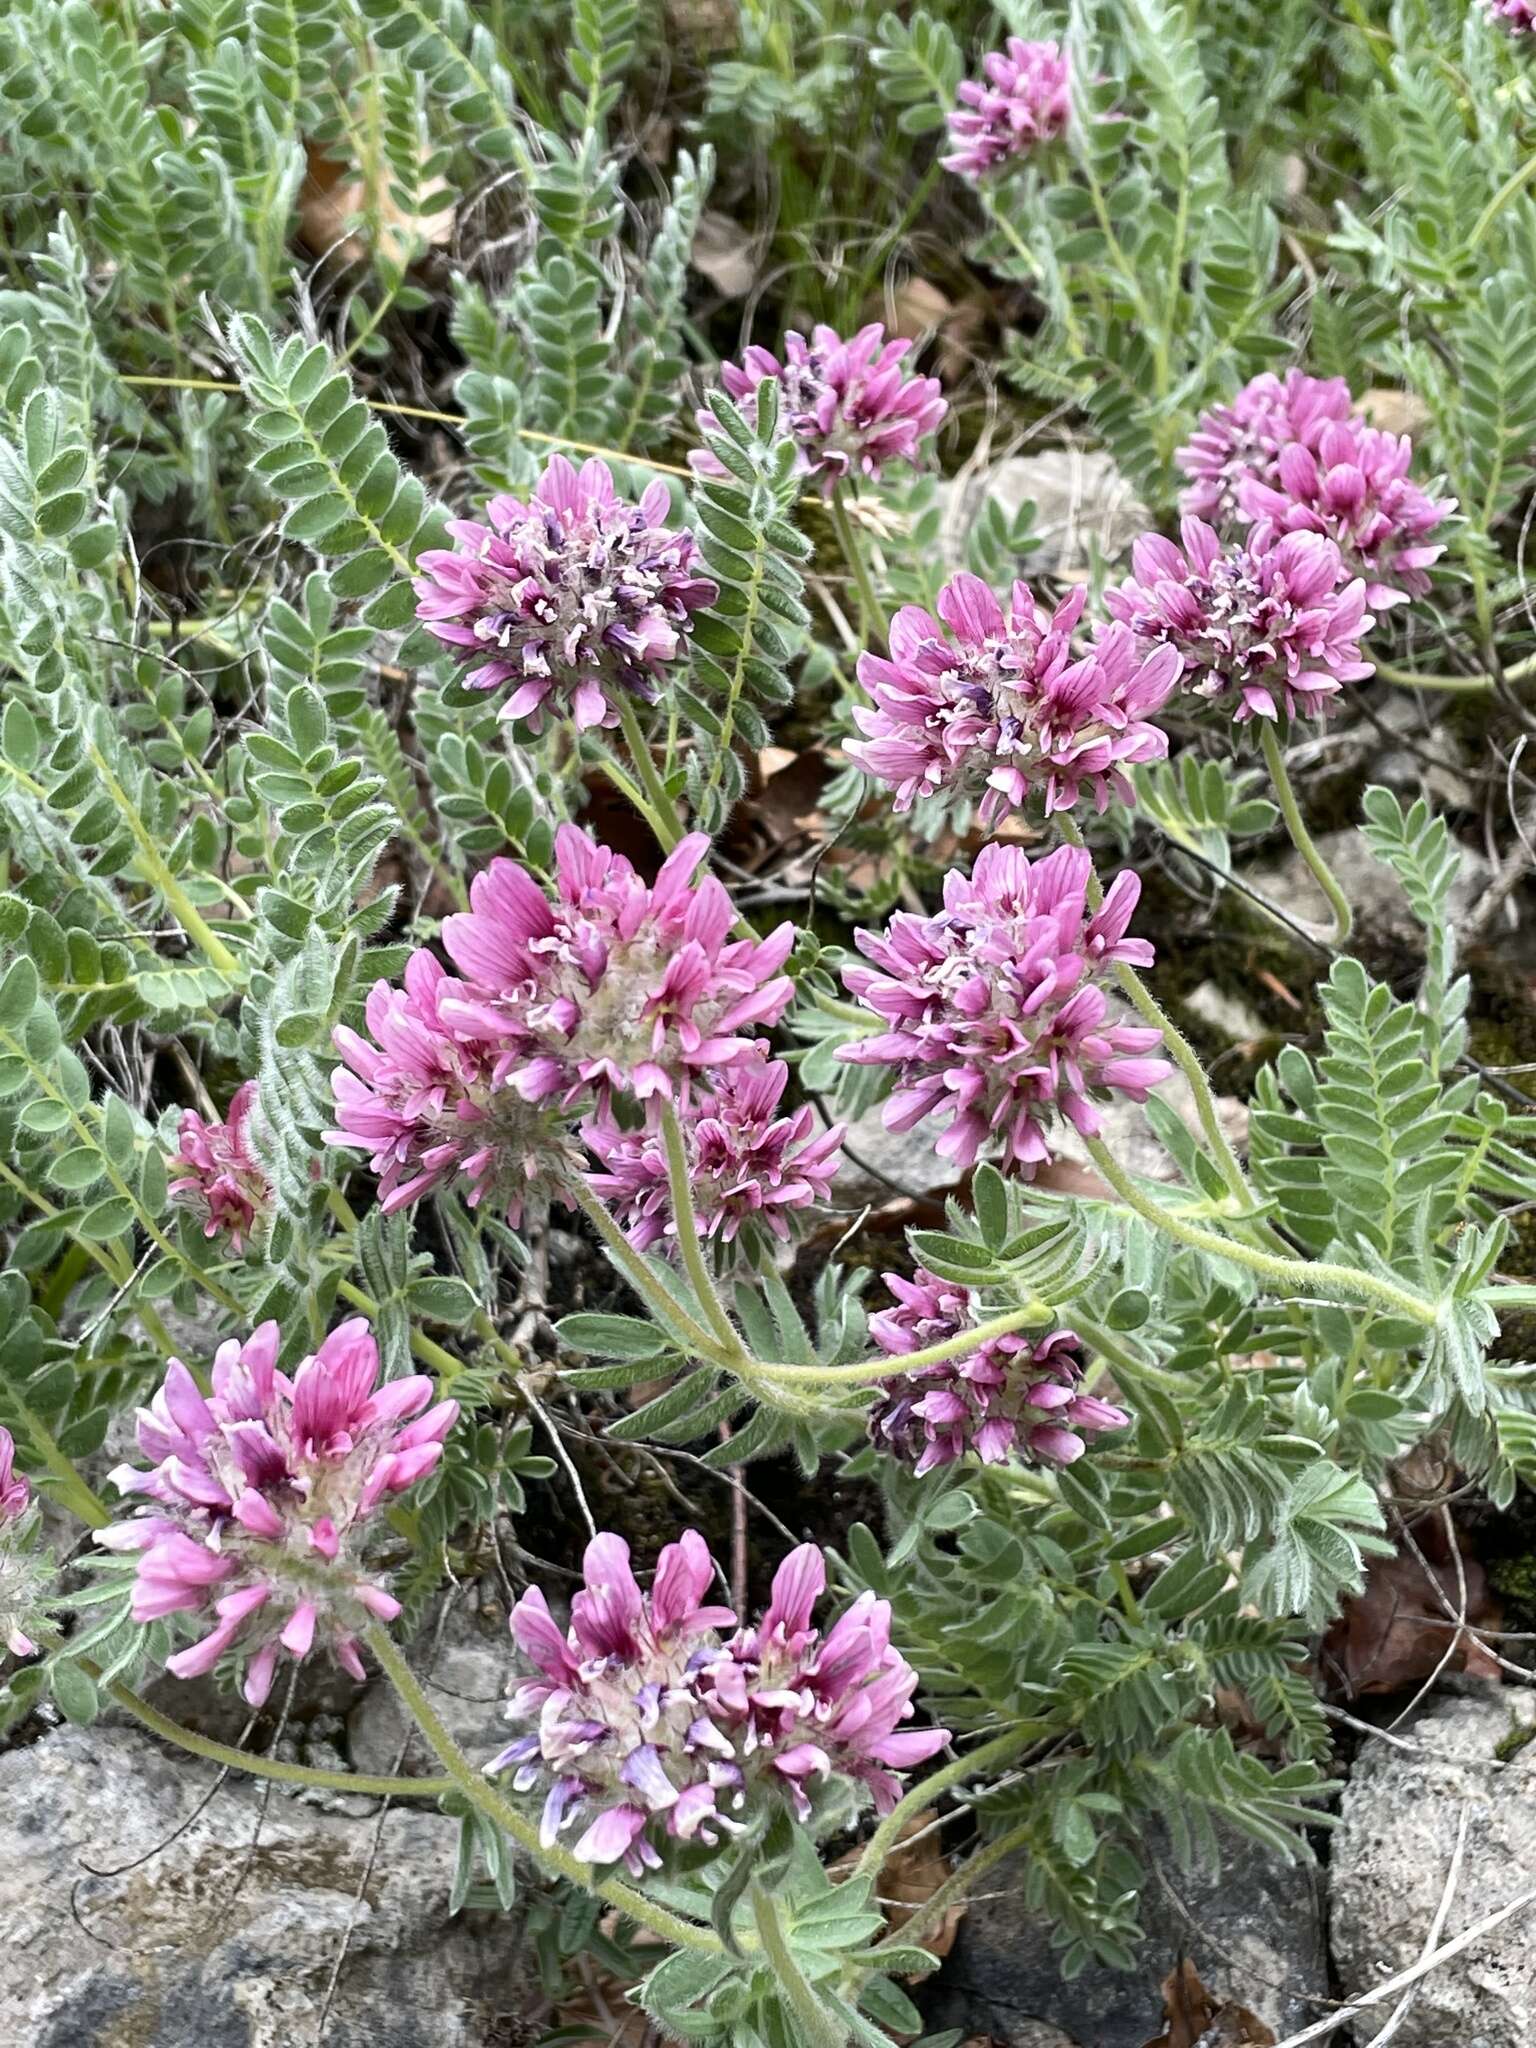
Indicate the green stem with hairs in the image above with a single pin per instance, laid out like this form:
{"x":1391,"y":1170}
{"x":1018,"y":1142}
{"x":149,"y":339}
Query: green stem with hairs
{"x":997,"y":1751}
{"x":868,"y":1371}
{"x":1513,"y":184}
{"x":71,"y":1488}
{"x":822,"y":2029}
{"x":695,"y":1265}
{"x":159,"y":876}
{"x":482,"y":1795}
{"x":662,"y":815}
{"x":871,"y":611}
{"x":1473,"y":685}
{"x":1301,"y":838}
{"x":636,"y":1272}
{"x":1304,"y":1278}
{"x":955,"y":1887}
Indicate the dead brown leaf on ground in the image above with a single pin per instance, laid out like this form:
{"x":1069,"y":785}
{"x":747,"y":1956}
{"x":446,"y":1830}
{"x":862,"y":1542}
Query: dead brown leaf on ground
{"x":909,"y":1877}
{"x":1393,"y":1635}
{"x":1197,"y":2018}
{"x":335,"y":204}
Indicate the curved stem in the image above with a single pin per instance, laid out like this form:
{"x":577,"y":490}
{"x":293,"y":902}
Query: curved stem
{"x":72,"y":1489}
{"x":662,"y":816}
{"x":1514,"y":183}
{"x":481,"y":1794}
{"x":637,"y":1273}
{"x":956,"y":1886}
{"x":1306,"y":1278}
{"x":868,"y":1371}
{"x":695,"y":1265}
{"x":1474,"y":685}
{"x":1301,"y":838}
{"x":871,"y":612}
{"x":822,"y":2029}
{"x":885,"y":1837}
{"x":159,"y":876}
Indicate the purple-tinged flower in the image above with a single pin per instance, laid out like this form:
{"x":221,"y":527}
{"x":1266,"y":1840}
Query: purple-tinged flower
{"x":1354,"y":490}
{"x":1517,"y":17}
{"x":570,"y":598}
{"x":422,"y":1100}
{"x":642,"y":1726}
{"x":258,"y":1496}
{"x":1236,"y":442}
{"x":1267,"y":625}
{"x":998,"y":707}
{"x":15,"y":1493}
{"x":1024,"y":100}
{"x":994,"y":1016}
{"x":747,"y":1163}
{"x":26,"y":1569}
{"x":218,"y":1177}
{"x":849,"y":406}
{"x":616,"y":984}
{"x":1014,"y":1397}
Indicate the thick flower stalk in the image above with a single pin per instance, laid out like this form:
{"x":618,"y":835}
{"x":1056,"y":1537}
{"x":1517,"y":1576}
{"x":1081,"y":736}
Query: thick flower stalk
{"x":26,"y":1570}
{"x":569,"y":599}
{"x":849,"y":406}
{"x":258,"y":1497}
{"x":1355,"y":490}
{"x":1232,"y":444}
{"x":217,"y":1176}
{"x":1014,"y":1397}
{"x":616,"y":984}
{"x":749,"y":1164}
{"x":991,"y":707}
{"x":995,"y":1019}
{"x":1022,"y":101}
{"x":644,"y":1725}
{"x":1264,"y":626}
{"x":423,"y":1101}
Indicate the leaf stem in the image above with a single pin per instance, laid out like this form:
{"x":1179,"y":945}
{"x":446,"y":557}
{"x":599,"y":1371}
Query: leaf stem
{"x":1301,"y":838}
{"x":159,"y":876}
{"x":821,"y":2028}
{"x":884,"y":1366}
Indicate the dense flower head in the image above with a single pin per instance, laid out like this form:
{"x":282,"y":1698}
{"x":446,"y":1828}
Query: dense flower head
{"x":644,"y":1723}
{"x":257,"y":1498}
{"x":1267,"y":625}
{"x":1355,"y":490}
{"x":988,"y":706}
{"x":1243,"y":440}
{"x":569,"y":598}
{"x":849,"y":406}
{"x":1017,"y":1396}
{"x":423,"y":1101}
{"x":1517,"y":16}
{"x":218,"y":1177}
{"x":618,"y":983}
{"x":1023,"y":100}
{"x":15,"y":1493}
{"x":748,"y":1161}
{"x":995,"y":1019}
{"x":25,"y":1569}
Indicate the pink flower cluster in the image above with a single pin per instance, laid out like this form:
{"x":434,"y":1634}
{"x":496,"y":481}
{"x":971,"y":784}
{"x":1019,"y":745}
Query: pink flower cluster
{"x":747,"y":1164}
{"x":258,"y":1497}
{"x":994,"y":1015}
{"x":1517,"y":16}
{"x":1296,"y":458}
{"x":1268,"y":624}
{"x":998,"y":706}
{"x":569,"y":598}
{"x":1014,"y":1396}
{"x":643,"y":1725}
{"x":218,"y":1177}
{"x":20,"y":1576}
{"x":615,"y":984}
{"x":849,"y":406}
{"x":15,"y":1493}
{"x":1023,"y":100}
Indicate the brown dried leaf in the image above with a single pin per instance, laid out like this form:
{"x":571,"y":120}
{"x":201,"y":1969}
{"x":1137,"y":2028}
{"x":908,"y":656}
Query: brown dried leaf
{"x":1393,"y":1635}
{"x":334,"y":203}
{"x":1198,"y":2019}
{"x":909,"y":1877}
{"x":725,"y":254}
{"x":1395,"y":412}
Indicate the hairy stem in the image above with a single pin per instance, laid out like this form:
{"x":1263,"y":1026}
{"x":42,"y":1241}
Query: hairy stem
{"x":822,"y":2029}
{"x":662,"y":815}
{"x":955,"y":1887}
{"x":159,"y":876}
{"x":884,"y":1366}
{"x":886,"y":1836}
{"x":871,"y":611}
{"x":695,"y":1265}
{"x":668,"y":1312}
{"x":1301,"y":838}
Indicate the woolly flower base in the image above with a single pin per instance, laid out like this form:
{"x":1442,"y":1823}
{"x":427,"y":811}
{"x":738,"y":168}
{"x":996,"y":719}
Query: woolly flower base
{"x":994,"y":1017}
{"x":644,"y":1726}
{"x":218,"y":1177}
{"x":617,"y":983}
{"x":1023,"y":101}
{"x":422,"y":1100}
{"x":1265,"y":627}
{"x":849,"y":406}
{"x":257,"y":1499}
{"x":1014,"y":1397}
{"x":1234,"y":443}
{"x":747,"y":1164}
{"x":996,"y":707}
{"x":569,"y":598}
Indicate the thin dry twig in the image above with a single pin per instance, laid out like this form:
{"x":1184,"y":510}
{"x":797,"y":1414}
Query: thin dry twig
{"x":1405,"y":2004}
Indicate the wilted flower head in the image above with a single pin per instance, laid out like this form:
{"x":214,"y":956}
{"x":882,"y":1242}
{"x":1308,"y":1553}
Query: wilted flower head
{"x":1236,"y":442}
{"x":1024,"y":101}
{"x":747,"y":1163}
{"x":422,"y":1099}
{"x":218,"y":1177}
{"x":849,"y":405}
{"x":569,"y":598}
{"x":1355,"y":490}
{"x":258,"y":1496}
{"x":1017,"y":1396}
{"x":995,"y":1017}
{"x":617,"y":983}
{"x":998,"y":707}
{"x":26,"y":1571}
{"x":1517,"y":16}
{"x":643,"y":1724}
{"x":1268,"y":625}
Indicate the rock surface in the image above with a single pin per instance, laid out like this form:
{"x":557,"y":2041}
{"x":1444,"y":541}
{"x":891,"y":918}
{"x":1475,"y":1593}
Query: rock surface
{"x":1083,"y":504}
{"x":1393,"y":1852}
{"x":1255,"y":1934}
{"x":225,"y":1935}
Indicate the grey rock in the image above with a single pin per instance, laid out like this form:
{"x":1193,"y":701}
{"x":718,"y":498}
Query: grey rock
{"x":1130,"y":1138}
{"x":877,"y":1163}
{"x":1082,"y":503}
{"x":1254,"y":1932}
{"x":1374,"y":892}
{"x":467,"y":1684}
{"x":121,"y":1932}
{"x":1391,"y":1857}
